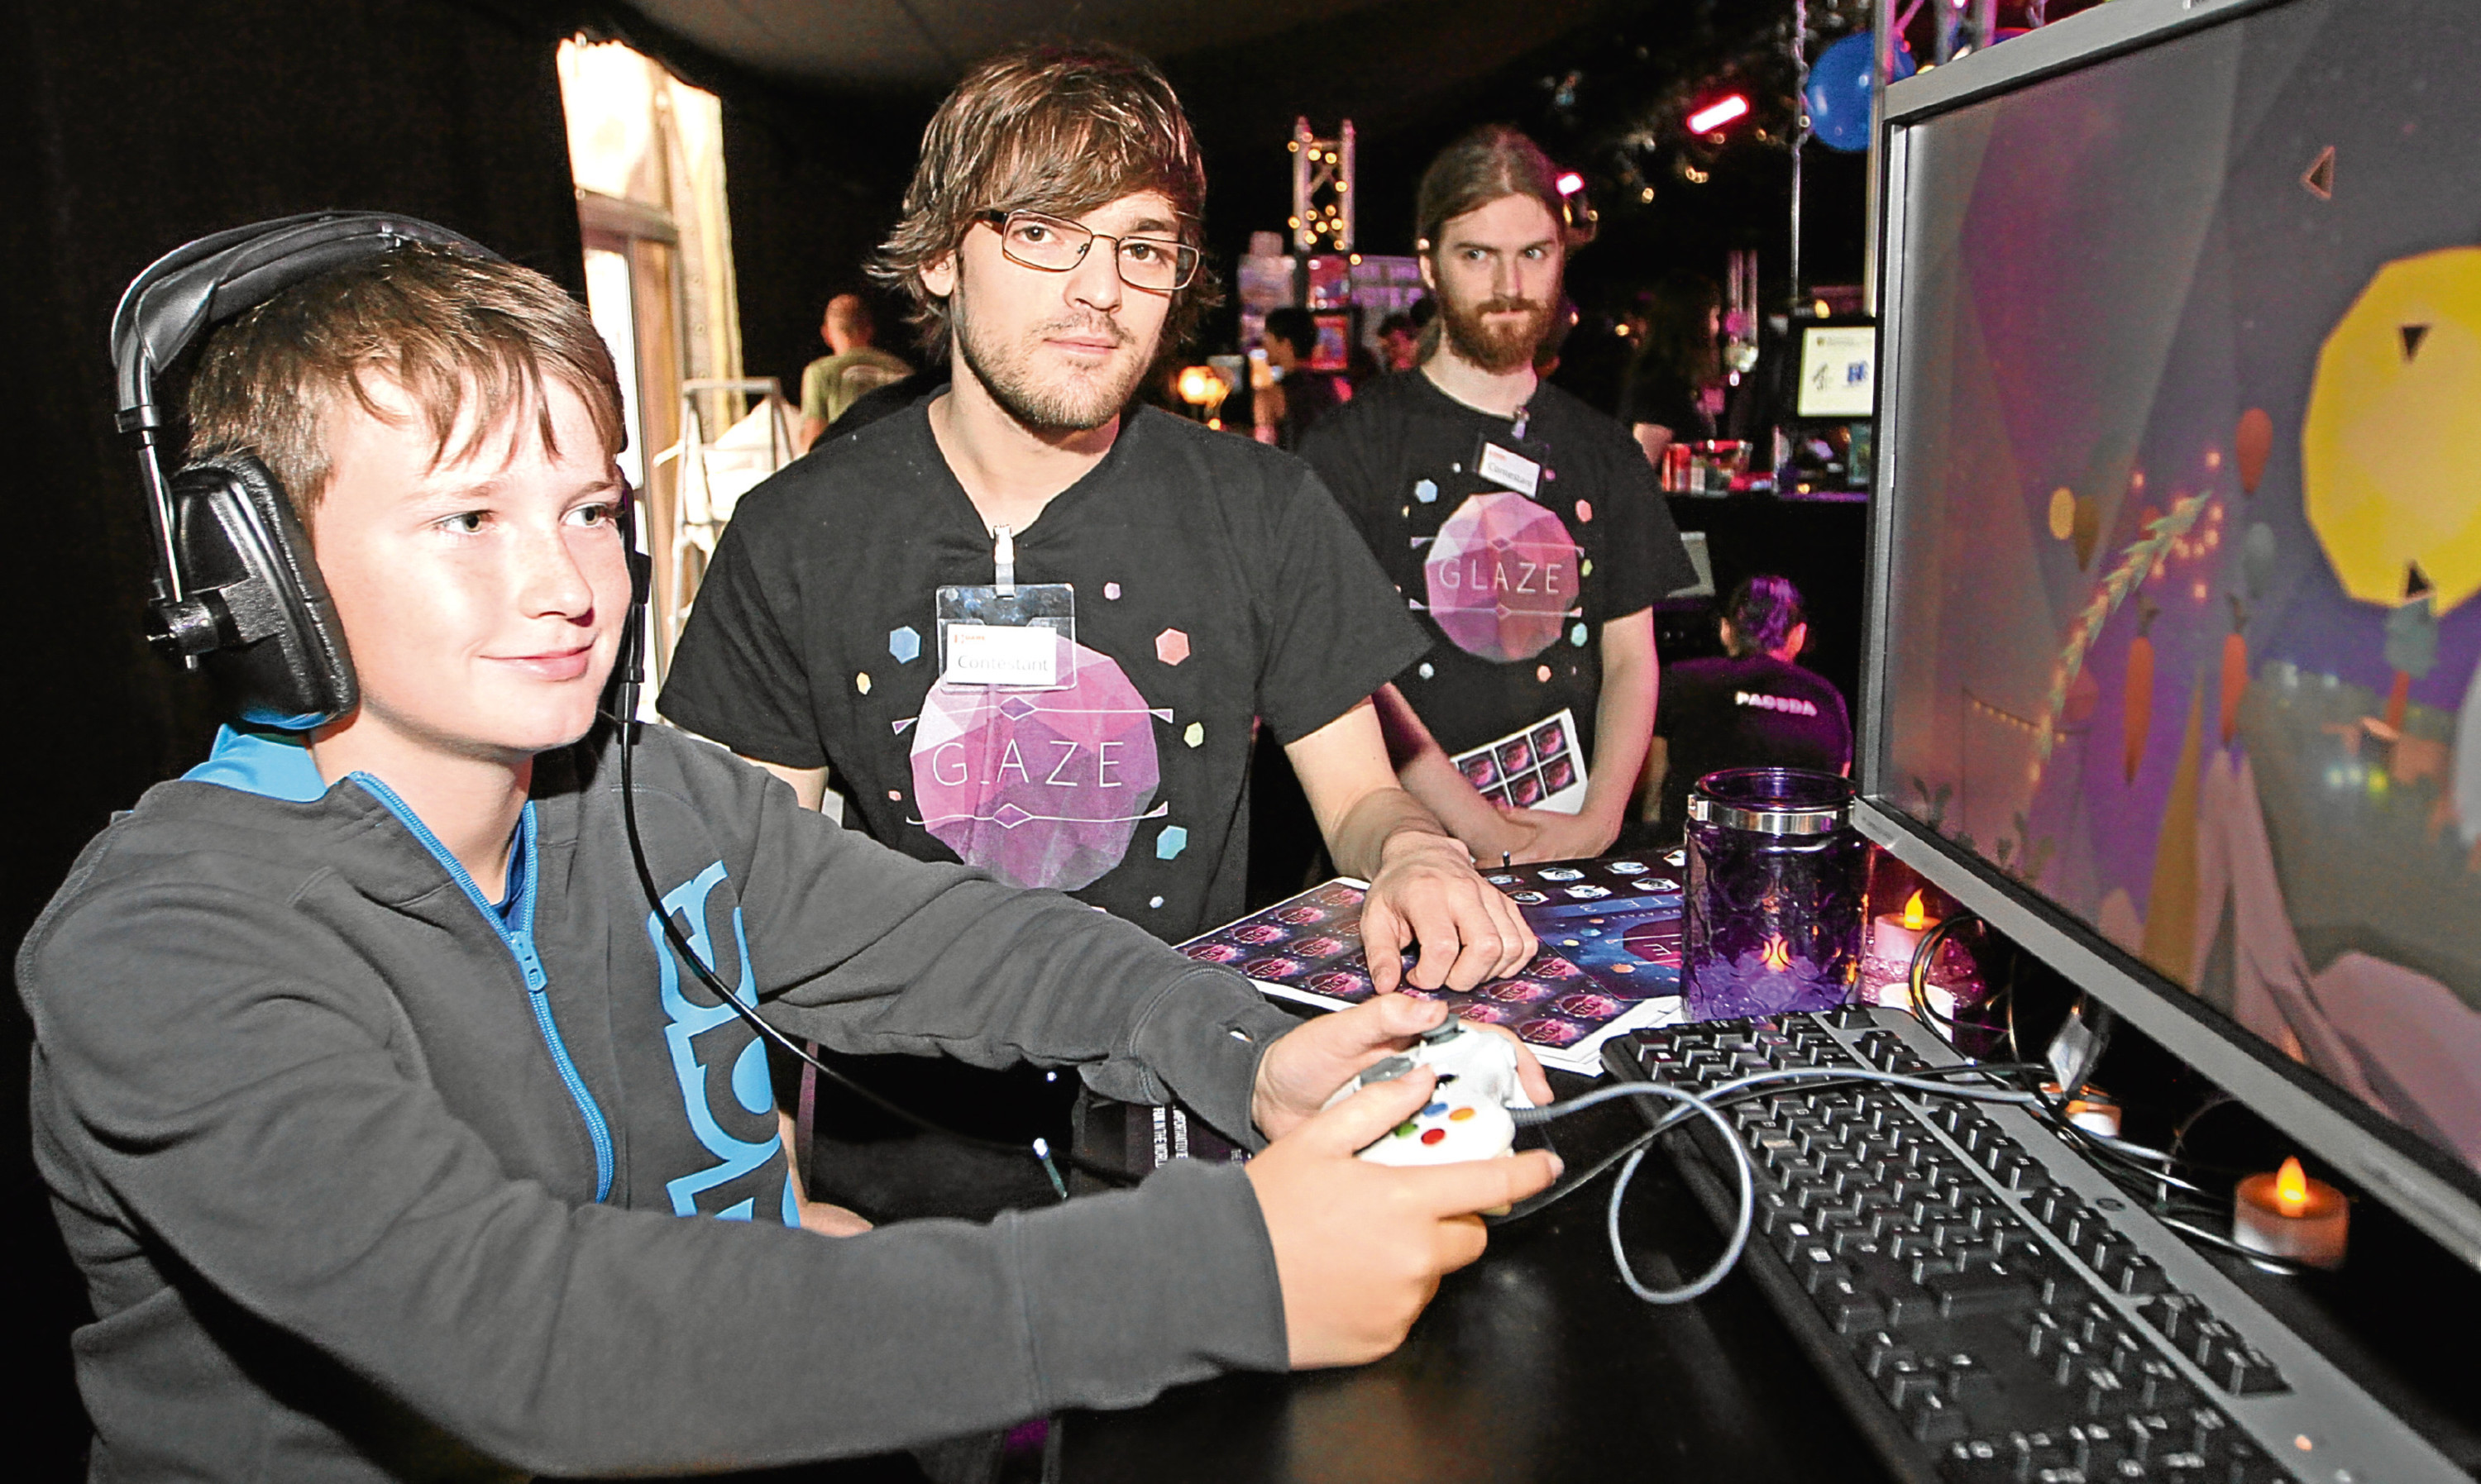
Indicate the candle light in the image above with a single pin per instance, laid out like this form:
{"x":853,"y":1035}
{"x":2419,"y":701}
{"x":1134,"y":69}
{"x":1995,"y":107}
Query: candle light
{"x":1954,"y":980}
{"x":1897,"y":934}
{"x":2091,"y":1109}
{"x":2286,"y":1214}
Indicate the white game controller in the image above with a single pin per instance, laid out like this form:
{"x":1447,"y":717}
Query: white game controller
{"x":1467,"y":1118}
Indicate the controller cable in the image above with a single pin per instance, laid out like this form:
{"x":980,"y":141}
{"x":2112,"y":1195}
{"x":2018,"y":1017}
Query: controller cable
{"x":625,"y":715}
{"x":1708,"y":1105}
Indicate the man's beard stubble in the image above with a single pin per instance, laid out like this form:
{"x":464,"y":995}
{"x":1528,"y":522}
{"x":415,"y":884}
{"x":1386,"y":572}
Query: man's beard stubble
{"x":1045,"y":407}
{"x":1495,"y":348}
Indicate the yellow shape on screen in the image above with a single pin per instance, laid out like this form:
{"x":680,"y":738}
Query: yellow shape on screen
{"x":2387,"y":447}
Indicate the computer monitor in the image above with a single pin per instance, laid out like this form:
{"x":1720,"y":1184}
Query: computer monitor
{"x":2175,"y":652}
{"x":1836,"y":371}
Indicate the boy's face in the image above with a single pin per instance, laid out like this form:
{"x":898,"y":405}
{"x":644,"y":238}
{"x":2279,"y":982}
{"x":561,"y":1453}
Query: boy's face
{"x":483,"y":598}
{"x":1059,"y":350}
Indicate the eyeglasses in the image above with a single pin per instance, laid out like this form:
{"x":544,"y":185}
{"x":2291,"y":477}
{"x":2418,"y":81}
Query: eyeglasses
{"x":1157,"y":264}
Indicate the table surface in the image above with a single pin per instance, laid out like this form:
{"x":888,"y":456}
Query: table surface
{"x":1535,"y":1363}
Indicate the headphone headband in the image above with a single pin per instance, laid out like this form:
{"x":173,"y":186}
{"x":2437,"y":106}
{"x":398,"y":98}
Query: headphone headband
{"x":216,"y":279}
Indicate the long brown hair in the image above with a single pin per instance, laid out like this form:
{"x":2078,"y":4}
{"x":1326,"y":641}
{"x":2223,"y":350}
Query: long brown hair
{"x":1057,"y":129}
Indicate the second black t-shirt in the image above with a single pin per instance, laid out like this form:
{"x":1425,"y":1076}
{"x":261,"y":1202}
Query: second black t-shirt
{"x":1513,"y":589}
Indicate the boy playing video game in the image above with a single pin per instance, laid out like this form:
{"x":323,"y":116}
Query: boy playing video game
{"x":372,"y":1100}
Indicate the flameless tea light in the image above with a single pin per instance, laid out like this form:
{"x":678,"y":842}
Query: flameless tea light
{"x":1955,"y":979}
{"x":2091,"y":1109}
{"x":2286,"y":1214}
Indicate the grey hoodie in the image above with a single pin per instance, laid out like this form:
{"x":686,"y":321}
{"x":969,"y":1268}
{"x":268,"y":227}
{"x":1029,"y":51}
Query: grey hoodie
{"x":371,"y":1177}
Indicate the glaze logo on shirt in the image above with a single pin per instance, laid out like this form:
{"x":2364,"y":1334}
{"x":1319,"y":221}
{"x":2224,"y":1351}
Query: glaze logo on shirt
{"x":746,"y":1085}
{"x":1503,"y":577}
{"x":1039,"y":787}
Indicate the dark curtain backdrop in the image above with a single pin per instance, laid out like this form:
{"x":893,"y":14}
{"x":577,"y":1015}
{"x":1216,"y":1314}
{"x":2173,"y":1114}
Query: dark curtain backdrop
{"x":128,"y":127}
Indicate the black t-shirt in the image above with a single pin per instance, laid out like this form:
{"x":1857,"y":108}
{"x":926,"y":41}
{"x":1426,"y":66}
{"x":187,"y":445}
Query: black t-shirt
{"x":1758,"y":711}
{"x":1214,"y":584}
{"x":1512,"y":591}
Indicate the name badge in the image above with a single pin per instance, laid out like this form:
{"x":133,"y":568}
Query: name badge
{"x":1515,"y":471}
{"x":981,"y":654}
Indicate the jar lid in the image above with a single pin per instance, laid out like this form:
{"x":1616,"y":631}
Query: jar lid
{"x":1772,"y":800}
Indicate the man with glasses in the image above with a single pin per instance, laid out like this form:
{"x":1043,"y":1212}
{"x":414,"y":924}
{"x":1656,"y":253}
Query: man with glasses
{"x":1110,"y":602}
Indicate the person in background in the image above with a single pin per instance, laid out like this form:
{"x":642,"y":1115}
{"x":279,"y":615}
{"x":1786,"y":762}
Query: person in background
{"x":1399,"y":342}
{"x":1286,"y":411}
{"x":852,"y":367}
{"x":1674,"y":389}
{"x":1520,"y":523}
{"x":1756,"y":708}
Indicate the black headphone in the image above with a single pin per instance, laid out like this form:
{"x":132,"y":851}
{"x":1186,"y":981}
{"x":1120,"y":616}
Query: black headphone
{"x":234,"y":584}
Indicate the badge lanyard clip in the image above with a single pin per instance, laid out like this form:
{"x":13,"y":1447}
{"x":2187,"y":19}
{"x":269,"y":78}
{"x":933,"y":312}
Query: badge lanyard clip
{"x":1013,"y":635}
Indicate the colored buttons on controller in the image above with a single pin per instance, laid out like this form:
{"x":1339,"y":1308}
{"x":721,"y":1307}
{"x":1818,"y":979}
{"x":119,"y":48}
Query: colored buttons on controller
{"x":1460,"y":1115}
{"x":1405,"y":1131}
{"x":1433,"y":1135}
{"x":1434,"y":1110}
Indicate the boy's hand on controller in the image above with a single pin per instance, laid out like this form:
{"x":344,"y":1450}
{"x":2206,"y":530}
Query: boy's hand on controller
{"x":1360,"y":1247}
{"x":1309,"y":1062}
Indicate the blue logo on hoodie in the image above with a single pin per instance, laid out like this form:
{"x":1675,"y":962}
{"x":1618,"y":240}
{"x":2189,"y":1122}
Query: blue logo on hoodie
{"x":748,"y":1081}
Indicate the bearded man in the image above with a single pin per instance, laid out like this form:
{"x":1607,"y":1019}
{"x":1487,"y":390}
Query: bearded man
{"x":1524,"y":528}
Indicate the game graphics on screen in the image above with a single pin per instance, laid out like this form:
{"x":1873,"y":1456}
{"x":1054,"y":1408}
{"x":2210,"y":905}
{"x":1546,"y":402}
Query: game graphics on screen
{"x":2184,"y":633}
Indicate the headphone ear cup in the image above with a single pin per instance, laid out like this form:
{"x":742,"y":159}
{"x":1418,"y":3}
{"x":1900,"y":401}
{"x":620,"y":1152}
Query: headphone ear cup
{"x":276,"y":651}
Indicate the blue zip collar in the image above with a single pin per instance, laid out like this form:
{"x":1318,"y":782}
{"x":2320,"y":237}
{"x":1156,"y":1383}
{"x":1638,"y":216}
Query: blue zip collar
{"x":516,"y":933}
{"x":270,"y":764}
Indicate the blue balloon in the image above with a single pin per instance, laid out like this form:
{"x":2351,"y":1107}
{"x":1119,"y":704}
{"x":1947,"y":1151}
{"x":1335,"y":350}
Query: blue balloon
{"x":1838,"y":94}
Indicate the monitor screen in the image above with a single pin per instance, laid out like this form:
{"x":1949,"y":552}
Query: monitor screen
{"x":2181,"y":536}
{"x":1837,"y":371}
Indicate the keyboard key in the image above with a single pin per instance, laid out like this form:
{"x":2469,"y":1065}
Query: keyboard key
{"x":1969,"y":1383}
{"x":2148,"y":1437}
{"x":1932,"y":1417}
{"x":2099,"y":1393}
{"x":2139,"y":1274}
{"x":2157,"y":1386}
{"x":1880,"y":1350}
{"x":2038,"y":1450}
{"x":2097,"y":1448}
{"x":1902,"y":1378}
{"x":2247,"y":1374}
{"x":1982,"y":1288}
{"x":1978,"y":1460}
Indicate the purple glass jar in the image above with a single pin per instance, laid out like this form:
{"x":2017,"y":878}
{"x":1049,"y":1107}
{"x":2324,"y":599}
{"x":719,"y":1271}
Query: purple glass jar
{"x":1776,"y":881}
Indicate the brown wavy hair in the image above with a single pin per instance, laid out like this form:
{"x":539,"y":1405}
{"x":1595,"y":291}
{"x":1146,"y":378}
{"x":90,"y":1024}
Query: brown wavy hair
{"x":447,"y":327}
{"x":1053,"y":128}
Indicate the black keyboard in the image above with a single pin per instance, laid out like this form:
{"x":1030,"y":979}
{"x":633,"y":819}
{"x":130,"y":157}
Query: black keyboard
{"x":1986,"y":1304}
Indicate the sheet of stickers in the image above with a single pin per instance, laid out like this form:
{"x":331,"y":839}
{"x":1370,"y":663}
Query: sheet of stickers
{"x":1610,"y":960}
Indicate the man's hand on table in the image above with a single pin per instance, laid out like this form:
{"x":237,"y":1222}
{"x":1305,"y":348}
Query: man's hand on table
{"x":1427,"y":893}
{"x":1361,"y":1247}
{"x":1565,"y":836}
